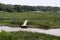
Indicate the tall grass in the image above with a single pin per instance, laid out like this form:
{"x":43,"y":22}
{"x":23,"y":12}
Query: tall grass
{"x":34,"y":36}
{"x":21,"y":35}
{"x":51,"y":19}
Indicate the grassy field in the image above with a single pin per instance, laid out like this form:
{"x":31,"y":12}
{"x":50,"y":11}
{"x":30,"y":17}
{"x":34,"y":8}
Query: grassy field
{"x":36,"y":19}
{"x":26,"y":36}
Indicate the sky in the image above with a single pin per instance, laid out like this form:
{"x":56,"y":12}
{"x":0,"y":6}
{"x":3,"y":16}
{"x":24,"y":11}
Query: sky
{"x":33,"y":2}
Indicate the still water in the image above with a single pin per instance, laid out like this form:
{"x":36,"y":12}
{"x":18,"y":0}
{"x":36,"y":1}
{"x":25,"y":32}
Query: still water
{"x":55,"y":32}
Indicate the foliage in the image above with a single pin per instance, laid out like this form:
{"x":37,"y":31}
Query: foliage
{"x":22,"y":8}
{"x":35,"y":19}
{"x":34,"y":36}
{"x":21,"y":35}
{"x":7,"y":36}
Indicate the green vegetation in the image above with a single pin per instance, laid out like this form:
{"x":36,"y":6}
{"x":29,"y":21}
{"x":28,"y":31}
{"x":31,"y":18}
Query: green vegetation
{"x":26,"y":36}
{"x":24,"y":8}
{"x":39,"y":17}
{"x":36,"y":19}
{"x":34,"y":36}
{"x":7,"y":36}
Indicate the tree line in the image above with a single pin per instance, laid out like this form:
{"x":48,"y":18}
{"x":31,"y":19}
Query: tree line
{"x":22,"y":8}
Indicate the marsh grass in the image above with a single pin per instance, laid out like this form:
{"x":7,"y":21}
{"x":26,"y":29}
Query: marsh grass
{"x":50,"y":19}
{"x":34,"y":36}
{"x":22,"y":35}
